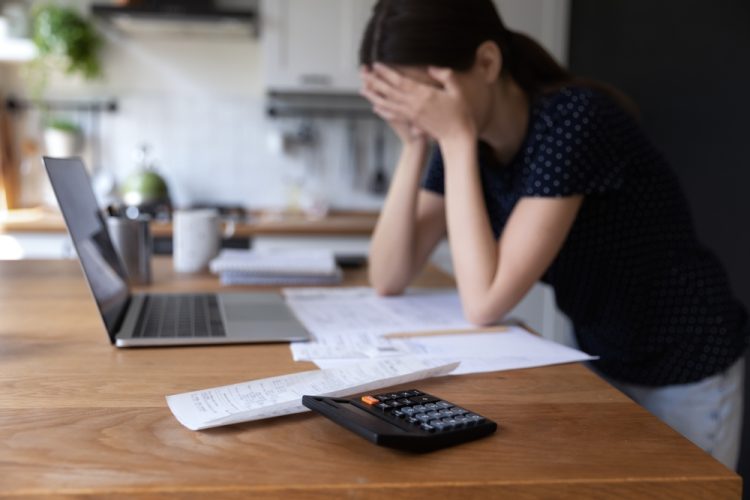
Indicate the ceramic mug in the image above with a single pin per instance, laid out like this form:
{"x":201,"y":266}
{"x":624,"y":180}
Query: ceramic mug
{"x":196,"y":239}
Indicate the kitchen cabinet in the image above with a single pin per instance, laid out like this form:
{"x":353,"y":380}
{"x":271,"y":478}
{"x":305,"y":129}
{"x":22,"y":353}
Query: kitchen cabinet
{"x":546,"y":21}
{"x":312,"y":46}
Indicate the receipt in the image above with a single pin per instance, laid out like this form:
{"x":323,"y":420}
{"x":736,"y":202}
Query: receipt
{"x":275,"y":396}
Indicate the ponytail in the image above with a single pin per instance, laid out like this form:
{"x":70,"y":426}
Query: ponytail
{"x":538,"y":73}
{"x":531,"y":66}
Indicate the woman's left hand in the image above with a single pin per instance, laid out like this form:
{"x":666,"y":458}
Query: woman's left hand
{"x":443,"y":113}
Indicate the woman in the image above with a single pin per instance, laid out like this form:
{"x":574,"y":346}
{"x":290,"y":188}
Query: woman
{"x":539,"y":175}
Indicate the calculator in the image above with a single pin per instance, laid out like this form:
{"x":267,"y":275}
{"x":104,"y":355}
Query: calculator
{"x":407,"y":420}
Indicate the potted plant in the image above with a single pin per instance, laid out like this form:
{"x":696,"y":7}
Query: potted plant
{"x":62,"y":138}
{"x":66,"y":42}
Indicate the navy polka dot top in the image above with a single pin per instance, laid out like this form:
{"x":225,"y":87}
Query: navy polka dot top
{"x":641,"y":291}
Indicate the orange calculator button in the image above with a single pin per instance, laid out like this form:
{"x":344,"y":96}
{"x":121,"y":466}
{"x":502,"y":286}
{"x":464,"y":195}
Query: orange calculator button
{"x":370,"y":400}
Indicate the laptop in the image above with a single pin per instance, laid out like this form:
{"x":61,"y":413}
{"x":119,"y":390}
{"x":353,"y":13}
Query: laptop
{"x":134,"y":320}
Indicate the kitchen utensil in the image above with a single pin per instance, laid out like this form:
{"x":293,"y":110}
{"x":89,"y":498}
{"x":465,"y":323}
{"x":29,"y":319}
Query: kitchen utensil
{"x":132,"y":241}
{"x":145,"y":189}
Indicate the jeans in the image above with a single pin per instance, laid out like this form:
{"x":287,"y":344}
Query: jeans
{"x":708,"y":412}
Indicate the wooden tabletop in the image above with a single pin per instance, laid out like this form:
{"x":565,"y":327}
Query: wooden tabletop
{"x":80,"y":417}
{"x":337,"y":223}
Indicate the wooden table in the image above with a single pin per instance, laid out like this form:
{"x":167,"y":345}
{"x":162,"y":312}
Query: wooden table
{"x":79,"y":417}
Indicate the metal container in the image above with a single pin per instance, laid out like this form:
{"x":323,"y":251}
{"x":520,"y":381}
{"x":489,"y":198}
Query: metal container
{"x":132,"y":241}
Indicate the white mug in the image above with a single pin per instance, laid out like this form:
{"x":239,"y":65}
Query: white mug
{"x":196,"y":239}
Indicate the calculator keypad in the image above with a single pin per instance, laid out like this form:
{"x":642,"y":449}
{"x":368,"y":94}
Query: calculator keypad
{"x":424,"y":411}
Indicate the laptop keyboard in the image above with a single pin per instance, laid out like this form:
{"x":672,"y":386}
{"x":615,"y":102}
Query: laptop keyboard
{"x":179,"y":316}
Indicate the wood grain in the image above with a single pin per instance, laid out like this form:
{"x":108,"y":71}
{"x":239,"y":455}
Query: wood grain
{"x":79,"y":418}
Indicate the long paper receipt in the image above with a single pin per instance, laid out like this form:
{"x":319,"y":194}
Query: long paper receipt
{"x":276,"y":396}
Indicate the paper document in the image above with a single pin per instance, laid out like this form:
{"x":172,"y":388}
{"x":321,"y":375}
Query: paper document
{"x":351,"y":322}
{"x":329,"y":311}
{"x":344,"y":345}
{"x":275,"y":396}
{"x":482,"y":352}
{"x":511,"y":349}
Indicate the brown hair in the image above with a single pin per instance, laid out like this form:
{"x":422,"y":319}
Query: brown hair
{"x":447,"y":33}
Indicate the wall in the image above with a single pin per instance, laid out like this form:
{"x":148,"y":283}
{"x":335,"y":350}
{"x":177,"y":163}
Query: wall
{"x":198,"y":101}
{"x":692,"y":94}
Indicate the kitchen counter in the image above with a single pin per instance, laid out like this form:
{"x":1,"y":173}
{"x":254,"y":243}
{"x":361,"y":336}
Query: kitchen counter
{"x":337,"y":223}
{"x":32,"y":220}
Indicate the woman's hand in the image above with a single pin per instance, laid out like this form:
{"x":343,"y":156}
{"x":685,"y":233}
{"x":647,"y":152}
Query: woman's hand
{"x":409,"y":134}
{"x":441,"y":112}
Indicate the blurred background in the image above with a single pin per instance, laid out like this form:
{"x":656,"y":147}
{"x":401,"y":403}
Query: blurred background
{"x":238,"y":102}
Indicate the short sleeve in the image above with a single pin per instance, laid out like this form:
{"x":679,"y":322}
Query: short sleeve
{"x":434,"y":177}
{"x":573,"y":148}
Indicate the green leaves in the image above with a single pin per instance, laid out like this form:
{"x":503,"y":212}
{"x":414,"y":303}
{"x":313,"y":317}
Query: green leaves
{"x":62,"y":33}
{"x":64,"y":126}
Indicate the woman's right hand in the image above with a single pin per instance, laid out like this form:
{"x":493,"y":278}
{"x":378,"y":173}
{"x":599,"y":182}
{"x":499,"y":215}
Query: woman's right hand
{"x":410,"y":135}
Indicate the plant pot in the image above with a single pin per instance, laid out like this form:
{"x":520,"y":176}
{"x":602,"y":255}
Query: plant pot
{"x":62,"y":143}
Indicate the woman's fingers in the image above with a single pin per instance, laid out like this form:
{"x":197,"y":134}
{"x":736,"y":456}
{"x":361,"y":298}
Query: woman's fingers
{"x":394,"y":94}
{"x":386,"y":114}
{"x":382,"y":102}
{"x":389,"y":75}
{"x":384,"y":88}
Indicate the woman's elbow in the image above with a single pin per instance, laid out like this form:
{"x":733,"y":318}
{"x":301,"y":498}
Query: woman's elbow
{"x":383,"y":286}
{"x":480,"y":315}
{"x":387,"y":289}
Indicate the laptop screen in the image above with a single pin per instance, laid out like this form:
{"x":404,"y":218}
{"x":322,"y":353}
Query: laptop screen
{"x":88,"y":230}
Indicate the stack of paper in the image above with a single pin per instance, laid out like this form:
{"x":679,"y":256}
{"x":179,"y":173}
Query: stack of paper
{"x":276,"y":267}
{"x":276,"y":396}
{"x":353,"y":324}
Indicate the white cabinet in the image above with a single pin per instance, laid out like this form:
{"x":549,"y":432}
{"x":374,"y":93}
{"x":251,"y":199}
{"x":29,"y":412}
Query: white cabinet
{"x":312,"y":46}
{"x":546,"y":21}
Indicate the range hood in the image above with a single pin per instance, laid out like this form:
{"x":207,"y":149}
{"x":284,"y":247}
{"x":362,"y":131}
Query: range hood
{"x":133,"y":14}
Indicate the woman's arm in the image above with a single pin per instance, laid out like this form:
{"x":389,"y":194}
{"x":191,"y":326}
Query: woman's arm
{"x":493,"y":276}
{"x":411,"y":223}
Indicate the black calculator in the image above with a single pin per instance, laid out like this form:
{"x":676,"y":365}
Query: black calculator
{"x":407,"y":420}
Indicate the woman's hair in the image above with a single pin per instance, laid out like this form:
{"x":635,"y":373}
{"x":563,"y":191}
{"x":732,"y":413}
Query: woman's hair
{"x":447,"y":33}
